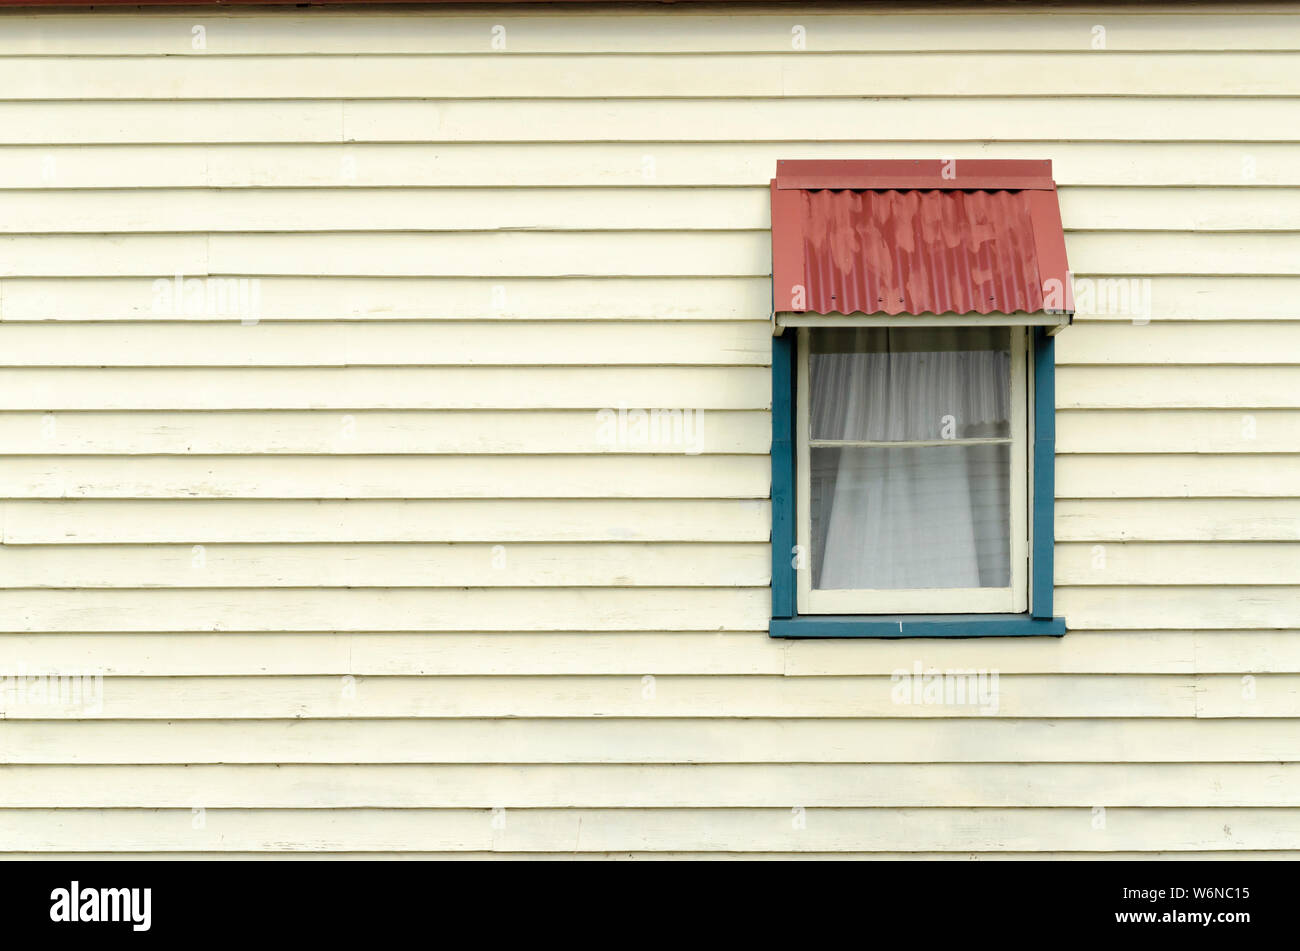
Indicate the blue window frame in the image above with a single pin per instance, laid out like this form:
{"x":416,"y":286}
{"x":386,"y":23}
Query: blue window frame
{"x":1038,"y":620}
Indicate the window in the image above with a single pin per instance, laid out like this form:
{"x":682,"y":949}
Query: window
{"x":913,"y":401}
{"x":912,"y":470}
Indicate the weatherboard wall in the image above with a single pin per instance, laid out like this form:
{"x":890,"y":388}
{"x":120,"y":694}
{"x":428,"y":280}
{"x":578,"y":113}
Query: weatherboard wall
{"x":366,"y":573}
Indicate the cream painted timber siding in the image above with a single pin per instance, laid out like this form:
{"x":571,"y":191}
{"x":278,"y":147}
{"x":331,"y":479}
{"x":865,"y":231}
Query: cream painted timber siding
{"x":364,"y":568}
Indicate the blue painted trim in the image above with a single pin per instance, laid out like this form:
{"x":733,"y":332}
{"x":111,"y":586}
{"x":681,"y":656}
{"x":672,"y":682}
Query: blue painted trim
{"x":784,"y":358}
{"x":1043,"y":539}
{"x":786,"y":621}
{"x":918,"y":625}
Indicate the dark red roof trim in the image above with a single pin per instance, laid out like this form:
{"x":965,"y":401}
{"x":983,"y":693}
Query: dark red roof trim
{"x":918,"y":237}
{"x":317,"y":3}
{"x":914,"y":173}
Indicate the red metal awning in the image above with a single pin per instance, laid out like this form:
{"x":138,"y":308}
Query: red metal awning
{"x":972,"y":236}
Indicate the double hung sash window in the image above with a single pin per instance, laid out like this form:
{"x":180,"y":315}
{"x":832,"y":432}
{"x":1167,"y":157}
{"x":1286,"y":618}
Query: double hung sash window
{"x":912,"y":470}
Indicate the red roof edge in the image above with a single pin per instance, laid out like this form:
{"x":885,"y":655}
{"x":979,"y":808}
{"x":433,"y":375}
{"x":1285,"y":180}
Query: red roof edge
{"x":956,"y":174}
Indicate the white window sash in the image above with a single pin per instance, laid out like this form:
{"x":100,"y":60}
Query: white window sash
{"x":1009,"y":600}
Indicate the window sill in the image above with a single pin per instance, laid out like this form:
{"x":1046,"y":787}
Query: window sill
{"x":917,"y":625}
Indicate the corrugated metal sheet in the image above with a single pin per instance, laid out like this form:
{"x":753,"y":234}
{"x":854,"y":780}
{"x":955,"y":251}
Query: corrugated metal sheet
{"x":916,"y":252}
{"x":980,"y":236}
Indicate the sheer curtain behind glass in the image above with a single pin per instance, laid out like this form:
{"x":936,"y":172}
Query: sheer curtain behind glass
{"x":932,"y":509}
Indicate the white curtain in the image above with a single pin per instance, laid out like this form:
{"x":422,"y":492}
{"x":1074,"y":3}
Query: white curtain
{"x":910,"y":516}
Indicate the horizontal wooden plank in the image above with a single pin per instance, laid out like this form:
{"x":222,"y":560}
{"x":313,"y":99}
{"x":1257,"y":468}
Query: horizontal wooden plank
{"x":397,"y":254}
{"x":1102,"y":253}
{"x":1170,"y":475}
{"x":1179,"y":209}
{"x":1201,"y":298}
{"x":1217,"y":607}
{"x":644,"y":30}
{"x":1178,"y":563}
{"x":486,"y":74}
{"x":1065,"y":74}
{"x":650,"y":207}
{"x":639,"y":653}
{"x":214,"y":521}
{"x":1154,"y":119}
{"x":632,"y":654}
{"x":122,"y":122}
{"x":1212,"y":431}
{"x":468,"y":343}
{"x":1176,"y":342}
{"x":448,"y":565}
{"x":602,"y":830}
{"x":269,"y":388}
{"x":950,"y":119}
{"x":413,"y":298}
{"x":664,"y":696}
{"x":1246,"y":696}
{"x":961,"y":695}
{"x":595,"y":740}
{"x":982,"y":785}
{"x":386,"y":432}
{"x":1132,"y":476}
{"x":405,"y":209}
{"x":391,"y":477}
{"x":1123,"y":387}
{"x":1080,"y":651}
{"x":658,"y":163}
{"x":386,"y":609}
{"x":1178,"y":520}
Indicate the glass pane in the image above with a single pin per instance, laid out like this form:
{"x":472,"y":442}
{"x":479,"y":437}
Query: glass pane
{"x":890,"y":384}
{"x":911,"y":517}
